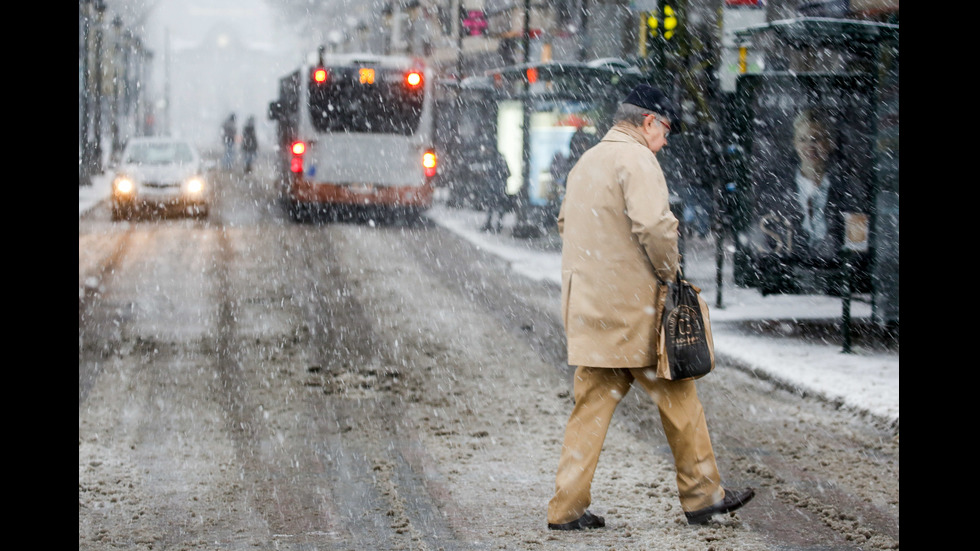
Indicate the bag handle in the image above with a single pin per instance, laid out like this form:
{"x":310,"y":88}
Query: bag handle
{"x":678,"y":278}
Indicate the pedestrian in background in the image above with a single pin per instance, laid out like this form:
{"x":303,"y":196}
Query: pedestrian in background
{"x":250,"y":143}
{"x":562,"y":164}
{"x":229,"y":133}
{"x":619,"y":239}
{"x":499,"y":202}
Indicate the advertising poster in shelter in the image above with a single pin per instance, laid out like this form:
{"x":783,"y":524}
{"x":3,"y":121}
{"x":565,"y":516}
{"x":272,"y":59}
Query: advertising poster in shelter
{"x":808,"y":186}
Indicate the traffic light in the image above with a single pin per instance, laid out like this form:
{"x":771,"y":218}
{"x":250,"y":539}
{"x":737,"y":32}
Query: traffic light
{"x":670,"y":21}
{"x":660,"y":27}
{"x":651,"y":26}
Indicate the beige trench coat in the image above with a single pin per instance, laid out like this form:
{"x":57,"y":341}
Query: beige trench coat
{"x":617,"y":230}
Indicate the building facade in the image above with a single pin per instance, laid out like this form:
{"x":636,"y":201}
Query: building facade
{"x":467,"y":37}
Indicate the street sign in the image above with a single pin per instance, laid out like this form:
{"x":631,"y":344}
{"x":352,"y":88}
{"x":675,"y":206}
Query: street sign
{"x":475,"y":23}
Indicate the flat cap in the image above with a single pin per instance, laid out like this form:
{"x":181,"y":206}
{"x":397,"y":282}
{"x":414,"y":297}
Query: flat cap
{"x":655,"y":100}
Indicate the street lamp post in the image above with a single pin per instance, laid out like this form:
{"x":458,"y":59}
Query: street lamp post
{"x":583,"y":31}
{"x":129,"y":58}
{"x":96,"y":161}
{"x":143,"y":108}
{"x":458,"y":31}
{"x":117,"y":52}
{"x":84,"y":168}
{"x":525,"y":225}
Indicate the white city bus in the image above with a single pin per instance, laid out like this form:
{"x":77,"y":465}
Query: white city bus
{"x":356,"y":130}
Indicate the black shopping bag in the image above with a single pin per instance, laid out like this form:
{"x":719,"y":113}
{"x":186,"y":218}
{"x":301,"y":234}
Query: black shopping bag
{"x":686,"y":349}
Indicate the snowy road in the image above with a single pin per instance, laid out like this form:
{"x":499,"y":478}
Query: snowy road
{"x":251,"y":383}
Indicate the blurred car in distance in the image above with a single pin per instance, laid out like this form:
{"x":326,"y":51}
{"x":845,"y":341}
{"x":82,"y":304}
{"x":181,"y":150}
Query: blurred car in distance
{"x":162,"y":175}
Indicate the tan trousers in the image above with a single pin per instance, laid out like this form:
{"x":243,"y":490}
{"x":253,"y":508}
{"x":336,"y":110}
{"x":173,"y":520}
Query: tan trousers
{"x":597,"y":393}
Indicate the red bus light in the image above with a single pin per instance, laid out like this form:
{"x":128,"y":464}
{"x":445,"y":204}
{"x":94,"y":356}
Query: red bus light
{"x":320,"y":75}
{"x":413,"y":79}
{"x":296,"y":163}
{"x":429,"y":162}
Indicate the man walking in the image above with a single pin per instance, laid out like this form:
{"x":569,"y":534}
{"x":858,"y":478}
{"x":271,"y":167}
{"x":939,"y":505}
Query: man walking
{"x":229,"y":133}
{"x":618,"y":236}
{"x":250,"y":143}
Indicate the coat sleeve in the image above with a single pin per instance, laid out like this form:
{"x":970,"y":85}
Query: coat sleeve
{"x":648,"y":208}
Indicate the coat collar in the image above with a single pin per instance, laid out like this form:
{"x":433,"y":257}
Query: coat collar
{"x":625,"y":132}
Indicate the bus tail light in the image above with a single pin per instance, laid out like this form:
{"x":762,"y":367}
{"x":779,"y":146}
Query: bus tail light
{"x":296,"y":163}
{"x":429,"y":161}
{"x":413,"y":80}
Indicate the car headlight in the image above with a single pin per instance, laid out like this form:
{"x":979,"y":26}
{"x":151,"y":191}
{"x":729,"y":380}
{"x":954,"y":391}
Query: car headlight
{"x":123,"y":186}
{"x":195,"y":185}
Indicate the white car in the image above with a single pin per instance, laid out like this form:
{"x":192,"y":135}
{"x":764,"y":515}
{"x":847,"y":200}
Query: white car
{"x":161,"y":174}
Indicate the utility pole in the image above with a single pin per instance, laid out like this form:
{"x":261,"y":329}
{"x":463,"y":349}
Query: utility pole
{"x":117,"y":52}
{"x":524,"y":225}
{"x":84,"y":169}
{"x":166,"y":81}
{"x":583,"y":30}
{"x":96,"y":161}
{"x":144,"y":105}
{"x":458,"y":31}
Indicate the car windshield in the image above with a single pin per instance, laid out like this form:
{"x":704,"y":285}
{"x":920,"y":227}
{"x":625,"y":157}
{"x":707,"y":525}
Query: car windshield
{"x":163,"y":153}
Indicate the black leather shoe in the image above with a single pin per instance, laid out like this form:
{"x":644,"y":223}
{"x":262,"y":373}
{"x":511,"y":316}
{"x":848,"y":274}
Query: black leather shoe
{"x":733,"y":500}
{"x":588,"y":520}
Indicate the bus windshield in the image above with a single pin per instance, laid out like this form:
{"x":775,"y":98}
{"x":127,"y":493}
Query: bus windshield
{"x":366,"y":100}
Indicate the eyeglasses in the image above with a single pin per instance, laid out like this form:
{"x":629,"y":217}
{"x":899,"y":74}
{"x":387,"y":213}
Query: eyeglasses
{"x":662,"y":122}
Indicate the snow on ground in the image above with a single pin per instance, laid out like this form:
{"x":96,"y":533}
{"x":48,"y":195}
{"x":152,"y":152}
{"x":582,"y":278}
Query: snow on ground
{"x":864,"y":380}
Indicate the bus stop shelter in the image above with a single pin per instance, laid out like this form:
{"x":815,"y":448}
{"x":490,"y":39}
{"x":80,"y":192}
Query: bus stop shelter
{"x":847,"y":71}
{"x":534,"y":114}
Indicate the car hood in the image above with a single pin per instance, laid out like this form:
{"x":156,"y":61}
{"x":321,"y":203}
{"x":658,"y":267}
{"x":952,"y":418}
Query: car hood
{"x":153,"y":173}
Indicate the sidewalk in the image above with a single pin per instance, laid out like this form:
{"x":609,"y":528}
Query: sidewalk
{"x":90,"y":196}
{"x":792,"y":340}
